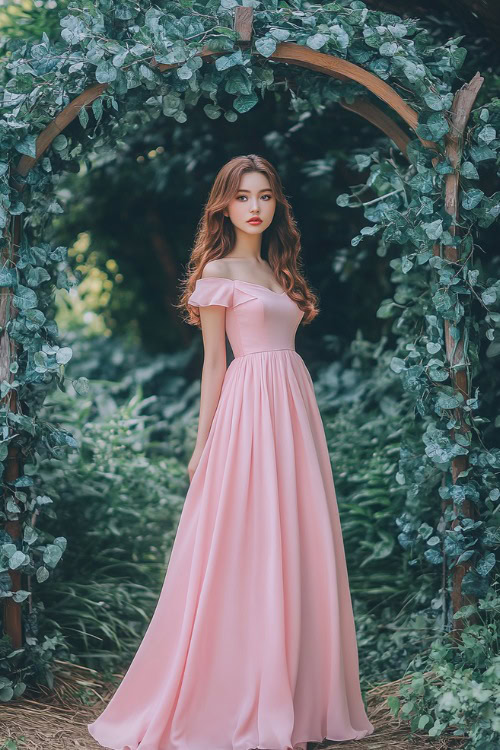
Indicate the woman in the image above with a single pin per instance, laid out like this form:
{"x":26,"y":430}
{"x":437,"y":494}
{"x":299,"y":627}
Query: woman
{"x":252,"y":643}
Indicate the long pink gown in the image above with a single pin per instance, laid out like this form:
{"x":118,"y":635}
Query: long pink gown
{"x":252,"y":643}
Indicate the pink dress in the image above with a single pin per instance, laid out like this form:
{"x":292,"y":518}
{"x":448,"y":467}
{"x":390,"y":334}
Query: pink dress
{"x":252,"y":643}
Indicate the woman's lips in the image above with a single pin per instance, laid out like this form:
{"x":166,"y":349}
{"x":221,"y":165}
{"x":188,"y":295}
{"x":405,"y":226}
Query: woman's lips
{"x":254,"y":221}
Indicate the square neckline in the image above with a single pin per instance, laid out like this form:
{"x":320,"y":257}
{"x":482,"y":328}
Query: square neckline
{"x":241,"y":281}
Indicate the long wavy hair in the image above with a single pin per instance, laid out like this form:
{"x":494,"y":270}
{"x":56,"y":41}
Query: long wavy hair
{"x":215,"y":237}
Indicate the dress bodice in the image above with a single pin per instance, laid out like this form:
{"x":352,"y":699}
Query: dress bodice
{"x":257,"y":319}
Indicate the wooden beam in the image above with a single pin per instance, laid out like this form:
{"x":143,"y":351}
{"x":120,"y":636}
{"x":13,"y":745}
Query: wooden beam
{"x":365,"y":108}
{"x":295,"y":54}
{"x":337,"y":67}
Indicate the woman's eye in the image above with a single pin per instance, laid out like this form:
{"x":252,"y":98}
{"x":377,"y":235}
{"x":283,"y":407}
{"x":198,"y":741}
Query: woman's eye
{"x":264,"y":196}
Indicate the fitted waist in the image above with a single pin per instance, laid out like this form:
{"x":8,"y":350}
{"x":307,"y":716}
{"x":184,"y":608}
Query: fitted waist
{"x":262,"y":351}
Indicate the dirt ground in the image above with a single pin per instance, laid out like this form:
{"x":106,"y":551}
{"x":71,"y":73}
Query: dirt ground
{"x":57,"y":719}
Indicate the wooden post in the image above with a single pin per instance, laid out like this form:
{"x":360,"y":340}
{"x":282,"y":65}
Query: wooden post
{"x":12,"y":624}
{"x":460,"y":113}
{"x":243,"y":19}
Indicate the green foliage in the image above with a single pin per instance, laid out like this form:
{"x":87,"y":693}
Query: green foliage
{"x":429,"y":290}
{"x":121,"y":502}
{"x":456,"y":686}
{"x":29,"y":20}
{"x":362,"y":407}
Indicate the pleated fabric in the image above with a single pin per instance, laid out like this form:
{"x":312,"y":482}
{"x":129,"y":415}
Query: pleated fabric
{"x":252,"y":643}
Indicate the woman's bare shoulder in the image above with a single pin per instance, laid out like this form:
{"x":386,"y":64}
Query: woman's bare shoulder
{"x":215,"y":268}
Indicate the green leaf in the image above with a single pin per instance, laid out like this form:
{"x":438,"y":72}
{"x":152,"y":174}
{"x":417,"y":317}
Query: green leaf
{"x":73,"y":30}
{"x":433,"y":347}
{"x":467,"y":611}
{"x":63,"y":355}
{"x":184,"y":72}
{"x":238,"y":82}
{"x":437,"y":102}
{"x":339,"y":36}
{"x":52,"y":554}
{"x":424,"y":721}
{"x":397,"y":364}
{"x":386,"y":309}
{"x":442,"y":301}
{"x":60,"y":142}
{"x":146,"y":72}
{"x":42,"y":574}
{"x":97,"y":109}
{"x":394,"y":704}
{"x":7,"y":277}
{"x":489,"y":295}
{"x":316,"y":41}
{"x":406,"y":264}
{"x":469,"y":170}
{"x":17,"y":559}
{"x":281,"y":35}
{"x":434,"y":127}
{"x":55,"y":208}
{"x":433,"y":556}
{"x":37,"y":275}
{"x":434,"y":229}
{"x":487,"y":134}
{"x":212,"y":110}
{"x":389,"y":48}
{"x":245,"y":103}
{"x":6,"y":694}
{"x":482,"y":153}
{"x":125,"y":11}
{"x":81,"y":386}
{"x":83,"y":117}
{"x":229,"y":61}
{"x":27,"y":146}
{"x":446,"y":401}
{"x":471,"y":198}
{"x":20,"y":595}
{"x":24,"y":298}
{"x":30,"y":534}
{"x":486,"y":564}
{"x":105,"y":72}
{"x":266,"y":46}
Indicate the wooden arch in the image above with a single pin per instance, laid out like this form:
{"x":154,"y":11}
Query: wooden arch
{"x":287,"y":52}
{"x":320,"y":62}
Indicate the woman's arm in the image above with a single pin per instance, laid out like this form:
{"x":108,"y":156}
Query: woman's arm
{"x":213,"y":327}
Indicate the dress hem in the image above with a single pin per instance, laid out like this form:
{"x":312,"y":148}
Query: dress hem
{"x":357,"y":736}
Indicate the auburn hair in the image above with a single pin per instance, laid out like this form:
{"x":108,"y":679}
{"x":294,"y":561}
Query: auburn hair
{"x":215,"y":237}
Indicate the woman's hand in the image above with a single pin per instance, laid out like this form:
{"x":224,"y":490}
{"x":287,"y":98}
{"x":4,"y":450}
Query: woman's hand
{"x":194,"y":461}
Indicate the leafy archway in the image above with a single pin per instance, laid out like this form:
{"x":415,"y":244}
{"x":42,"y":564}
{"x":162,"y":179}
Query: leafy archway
{"x":118,"y":64}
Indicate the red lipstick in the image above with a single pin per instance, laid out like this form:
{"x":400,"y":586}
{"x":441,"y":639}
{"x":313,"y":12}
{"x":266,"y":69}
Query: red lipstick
{"x":255,"y":220}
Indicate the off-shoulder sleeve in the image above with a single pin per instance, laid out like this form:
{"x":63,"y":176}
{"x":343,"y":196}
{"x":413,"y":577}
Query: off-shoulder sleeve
{"x":212,"y":291}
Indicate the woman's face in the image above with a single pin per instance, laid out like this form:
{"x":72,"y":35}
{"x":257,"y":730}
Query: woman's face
{"x":254,"y":199}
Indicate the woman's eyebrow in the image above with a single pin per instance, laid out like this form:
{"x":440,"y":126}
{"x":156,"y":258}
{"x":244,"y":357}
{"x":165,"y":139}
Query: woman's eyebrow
{"x":264,"y":190}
